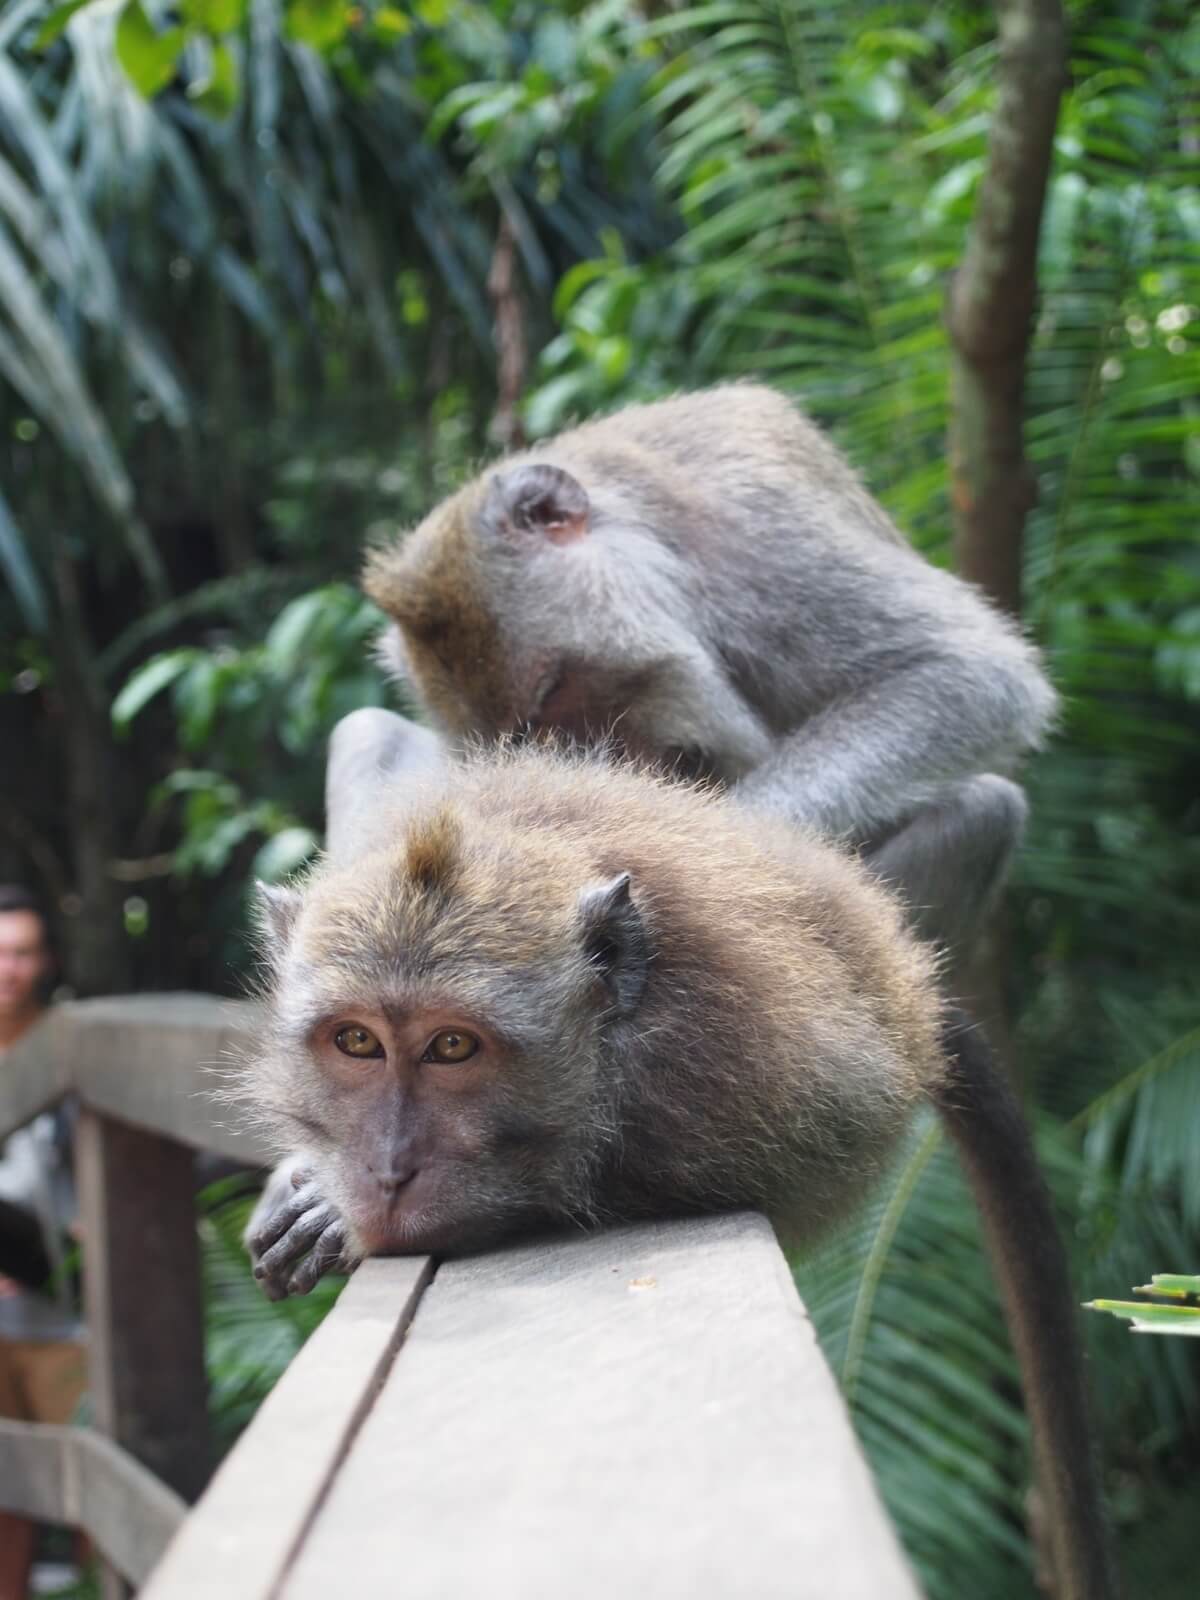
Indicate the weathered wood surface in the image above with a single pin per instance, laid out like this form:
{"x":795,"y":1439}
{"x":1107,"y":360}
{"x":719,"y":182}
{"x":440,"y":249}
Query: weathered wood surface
{"x":642,"y":1412}
{"x":152,"y":1060}
{"x":241,"y":1537}
{"x":142,"y":1069}
{"x":73,"y":1476}
{"x":142,"y":1296}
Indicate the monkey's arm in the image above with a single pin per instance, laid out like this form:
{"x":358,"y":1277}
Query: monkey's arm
{"x":894,"y":736}
{"x":983,"y":1118}
{"x":294,"y":1235}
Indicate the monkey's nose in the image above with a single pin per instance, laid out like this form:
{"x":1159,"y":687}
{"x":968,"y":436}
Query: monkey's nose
{"x":391,"y":1179}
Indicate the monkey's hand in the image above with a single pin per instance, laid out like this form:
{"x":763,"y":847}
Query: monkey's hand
{"x":295,"y":1236}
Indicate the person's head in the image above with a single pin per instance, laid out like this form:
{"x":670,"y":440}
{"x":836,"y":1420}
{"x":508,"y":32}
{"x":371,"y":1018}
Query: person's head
{"x":25,"y":955}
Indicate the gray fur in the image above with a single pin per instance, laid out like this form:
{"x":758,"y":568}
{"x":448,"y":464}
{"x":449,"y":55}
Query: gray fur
{"x":732,"y":1016}
{"x":367,"y":748}
{"x":740,"y":606}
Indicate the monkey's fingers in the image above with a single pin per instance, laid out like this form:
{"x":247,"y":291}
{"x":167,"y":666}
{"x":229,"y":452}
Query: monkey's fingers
{"x":301,"y":1237}
{"x":327,"y":1255}
{"x":280,"y":1218}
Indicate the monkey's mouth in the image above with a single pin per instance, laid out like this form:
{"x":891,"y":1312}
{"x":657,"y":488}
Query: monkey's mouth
{"x":418,"y":1219}
{"x":434,"y":1213}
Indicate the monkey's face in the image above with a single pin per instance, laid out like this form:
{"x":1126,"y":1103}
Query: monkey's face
{"x":429,"y":1143}
{"x":521,"y":609}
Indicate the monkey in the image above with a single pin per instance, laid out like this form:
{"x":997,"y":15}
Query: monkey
{"x":705,"y":579}
{"x":534,"y":987}
{"x":549,"y":988}
{"x":704,"y":583}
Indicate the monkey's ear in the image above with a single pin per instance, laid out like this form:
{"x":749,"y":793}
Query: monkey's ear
{"x":615,"y":940}
{"x":537,"y":499}
{"x":278,"y":907}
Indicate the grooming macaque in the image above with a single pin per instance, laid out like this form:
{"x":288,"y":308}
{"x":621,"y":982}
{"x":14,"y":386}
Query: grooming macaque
{"x":706,"y":580}
{"x":534,"y":988}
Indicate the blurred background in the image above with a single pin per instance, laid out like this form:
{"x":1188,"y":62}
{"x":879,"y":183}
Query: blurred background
{"x":276,"y":274}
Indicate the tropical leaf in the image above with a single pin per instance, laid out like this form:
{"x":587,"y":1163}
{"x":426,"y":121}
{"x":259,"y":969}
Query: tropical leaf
{"x":20,"y":572}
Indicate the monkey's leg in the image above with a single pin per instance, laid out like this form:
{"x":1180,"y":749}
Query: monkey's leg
{"x":949,"y":859}
{"x":371,"y":750}
{"x":984,"y":1120}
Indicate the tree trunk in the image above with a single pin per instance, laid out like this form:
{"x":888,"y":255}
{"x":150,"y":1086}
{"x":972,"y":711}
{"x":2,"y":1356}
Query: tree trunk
{"x":991,"y":302}
{"x":989,"y":314}
{"x":511,"y":343}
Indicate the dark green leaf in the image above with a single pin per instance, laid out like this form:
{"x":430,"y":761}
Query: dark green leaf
{"x":54,"y":24}
{"x":21,"y":573}
{"x":148,"y":681}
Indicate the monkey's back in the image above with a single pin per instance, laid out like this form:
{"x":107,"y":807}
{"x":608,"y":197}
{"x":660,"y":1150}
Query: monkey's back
{"x":790,"y":1021}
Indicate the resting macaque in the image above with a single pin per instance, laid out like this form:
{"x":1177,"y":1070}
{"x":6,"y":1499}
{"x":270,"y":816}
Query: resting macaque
{"x":706,"y":580}
{"x":539,"y":989}
{"x":529,"y":988}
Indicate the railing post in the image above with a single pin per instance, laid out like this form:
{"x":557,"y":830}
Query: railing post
{"x":143,"y":1298}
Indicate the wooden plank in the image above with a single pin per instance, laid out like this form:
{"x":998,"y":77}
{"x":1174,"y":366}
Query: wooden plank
{"x":36,"y":1070}
{"x":240,"y":1537}
{"x":156,"y":1060}
{"x":72,"y":1476}
{"x":142,"y":1296}
{"x":637,"y":1413}
{"x":153,"y":1060}
{"x":33,"y":1470}
{"x":130,"y":1516}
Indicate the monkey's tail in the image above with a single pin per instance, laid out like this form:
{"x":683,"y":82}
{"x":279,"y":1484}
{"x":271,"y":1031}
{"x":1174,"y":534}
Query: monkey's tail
{"x":985,"y":1121}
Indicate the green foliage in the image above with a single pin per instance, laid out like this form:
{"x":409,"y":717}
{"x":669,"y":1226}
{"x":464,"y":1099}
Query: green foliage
{"x":245,"y":322}
{"x":148,"y":56}
{"x":249,"y":1340}
{"x":1172,"y":1306}
{"x":241,"y":706}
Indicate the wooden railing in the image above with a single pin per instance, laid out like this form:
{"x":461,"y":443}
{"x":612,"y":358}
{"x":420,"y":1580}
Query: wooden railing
{"x":140,"y":1068}
{"x":641,"y":1412}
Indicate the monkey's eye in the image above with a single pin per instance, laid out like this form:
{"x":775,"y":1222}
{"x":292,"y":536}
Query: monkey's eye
{"x":452,"y":1046}
{"x":355,"y":1040}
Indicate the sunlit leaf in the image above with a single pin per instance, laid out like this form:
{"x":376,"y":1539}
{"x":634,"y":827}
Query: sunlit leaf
{"x":149,"y":58}
{"x":390,"y":23}
{"x":319,"y":23}
{"x":215,"y":16}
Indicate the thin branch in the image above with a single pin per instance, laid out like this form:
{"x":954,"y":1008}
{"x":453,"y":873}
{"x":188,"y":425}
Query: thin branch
{"x":511,"y":343}
{"x":991,"y":303}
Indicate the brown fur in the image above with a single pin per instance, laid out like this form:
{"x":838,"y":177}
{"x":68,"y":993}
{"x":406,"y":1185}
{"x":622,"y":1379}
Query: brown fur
{"x":433,"y":850}
{"x":787,"y":1026}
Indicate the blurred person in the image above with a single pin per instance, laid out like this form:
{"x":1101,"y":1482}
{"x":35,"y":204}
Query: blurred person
{"x":42,"y":1365}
